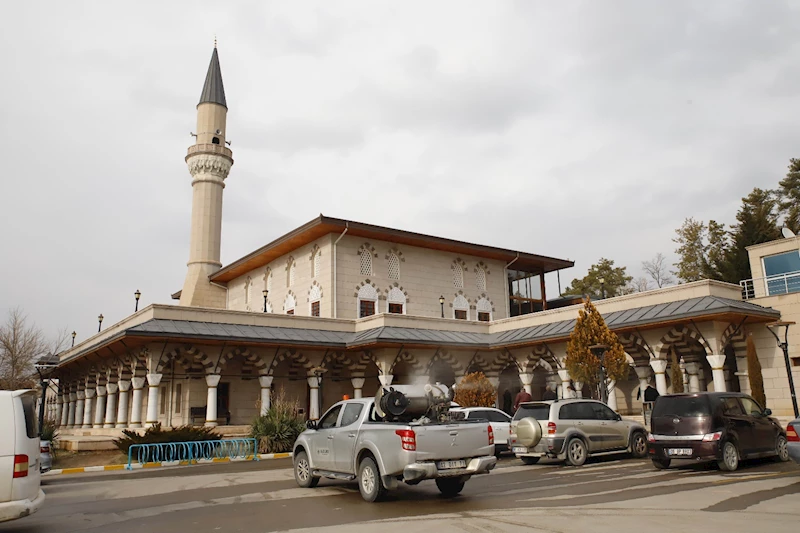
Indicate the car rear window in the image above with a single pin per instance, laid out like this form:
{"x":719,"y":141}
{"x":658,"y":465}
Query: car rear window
{"x":685,"y":406}
{"x":539,"y":412}
{"x":29,"y":409}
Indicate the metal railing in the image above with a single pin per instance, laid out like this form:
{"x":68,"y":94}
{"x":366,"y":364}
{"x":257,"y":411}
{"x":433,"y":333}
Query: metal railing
{"x":192,"y":452}
{"x":771,"y":285}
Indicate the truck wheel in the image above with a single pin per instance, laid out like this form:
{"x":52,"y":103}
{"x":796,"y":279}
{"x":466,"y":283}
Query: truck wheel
{"x":529,"y":460}
{"x":576,"y":452}
{"x":449,"y":486}
{"x":730,"y":457}
{"x":302,"y":472}
{"x":369,"y":480}
{"x":661,"y":464}
{"x":638,"y":445}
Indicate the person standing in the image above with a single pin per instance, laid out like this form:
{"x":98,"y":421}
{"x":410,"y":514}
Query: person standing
{"x":522,"y":397}
{"x":550,"y":394}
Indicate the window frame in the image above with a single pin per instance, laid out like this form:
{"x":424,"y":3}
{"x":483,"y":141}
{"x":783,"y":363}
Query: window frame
{"x":178,"y":398}
{"x":335,"y":409}
{"x":373,"y":303}
{"x":315,"y":312}
{"x":347,"y":406}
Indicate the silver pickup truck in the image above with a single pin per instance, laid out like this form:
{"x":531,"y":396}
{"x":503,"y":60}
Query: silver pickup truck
{"x":358,"y":439}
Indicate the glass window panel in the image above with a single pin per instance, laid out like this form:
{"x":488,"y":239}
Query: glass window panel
{"x":351,"y":413}
{"x":329,"y":420}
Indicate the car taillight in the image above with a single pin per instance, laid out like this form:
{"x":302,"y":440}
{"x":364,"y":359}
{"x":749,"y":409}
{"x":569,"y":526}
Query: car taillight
{"x":712,"y":437}
{"x":408,"y":439}
{"x":650,"y":437}
{"x":20,"y":466}
{"x":551,"y":428}
{"x":791,"y":434}
{"x":491,"y":435}
{"x":44,"y":449}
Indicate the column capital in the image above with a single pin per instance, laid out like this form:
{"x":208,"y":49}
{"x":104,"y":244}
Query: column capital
{"x":124,"y":385}
{"x":386,"y":379}
{"x":692,"y":368}
{"x":716,"y":361}
{"x":138,"y":383}
{"x":526,"y":378}
{"x":73,"y":396}
{"x":643,"y":372}
{"x":494,"y":380}
{"x":358,"y":383}
{"x":265,"y":381}
{"x":313,"y":382}
{"x":212,"y":380}
{"x":101,"y":390}
{"x":111,"y":388}
{"x":563,"y":373}
{"x":89,"y":393}
{"x":154,"y":380}
{"x":659,"y":365}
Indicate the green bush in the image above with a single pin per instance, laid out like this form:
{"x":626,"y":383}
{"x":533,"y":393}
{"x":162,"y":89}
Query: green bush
{"x":277,"y":430}
{"x":49,"y":432}
{"x":156,"y":435}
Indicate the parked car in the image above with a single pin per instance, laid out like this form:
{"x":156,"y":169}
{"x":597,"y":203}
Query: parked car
{"x":45,"y":457}
{"x":725,"y":427}
{"x":499,"y":420}
{"x":20,"y":479}
{"x":573,"y":431}
{"x":409,"y":439}
{"x":793,"y":439}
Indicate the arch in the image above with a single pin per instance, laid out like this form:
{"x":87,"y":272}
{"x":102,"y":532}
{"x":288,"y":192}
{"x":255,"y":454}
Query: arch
{"x":679,"y":336}
{"x":296,"y":360}
{"x":289,"y":303}
{"x":457,"y":268}
{"x":248,"y":284}
{"x":316,"y":261}
{"x":290,"y":271}
{"x":460,"y":305}
{"x":395,"y":297}
{"x":541,"y":355}
{"x":393,"y":265}
{"x":636,"y":347}
{"x":409,"y":360}
{"x":735,"y":337}
{"x":502,"y":361}
{"x":480,"y":277}
{"x":314,"y":296}
{"x":215,"y":140}
{"x":483,"y":307}
{"x":365,"y":254}
{"x":448,"y":359}
{"x":477,"y":364}
{"x":366,"y":299}
{"x":268,"y":279}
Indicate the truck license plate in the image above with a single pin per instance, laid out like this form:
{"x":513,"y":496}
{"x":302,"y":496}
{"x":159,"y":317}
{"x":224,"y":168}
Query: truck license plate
{"x":449,"y":465}
{"x":519,"y":449}
{"x":679,"y":451}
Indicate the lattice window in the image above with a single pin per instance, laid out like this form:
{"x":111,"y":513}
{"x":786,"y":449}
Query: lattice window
{"x":397,"y":301}
{"x":248,"y":283}
{"x":317,"y":263}
{"x":314,"y":296}
{"x":366,"y":262}
{"x":458,"y":275}
{"x":480,"y":278}
{"x":394,"y":266}
{"x":484,"y":309}
{"x":292,"y":270}
{"x":460,"y":307}
{"x":367,"y":300}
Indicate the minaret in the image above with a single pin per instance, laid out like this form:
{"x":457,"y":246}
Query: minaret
{"x":209,"y":162}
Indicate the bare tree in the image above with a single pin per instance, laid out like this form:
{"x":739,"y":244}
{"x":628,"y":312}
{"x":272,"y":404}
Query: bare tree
{"x":21,"y":345}
{"x":658,"y":270}
{"x":641,"y":284}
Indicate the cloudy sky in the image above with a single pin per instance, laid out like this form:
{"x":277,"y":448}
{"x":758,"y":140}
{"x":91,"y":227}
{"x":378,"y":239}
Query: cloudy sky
{"x":571,"y":129}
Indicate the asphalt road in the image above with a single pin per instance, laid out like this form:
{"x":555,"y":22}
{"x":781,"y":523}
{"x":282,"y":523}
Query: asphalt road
{"x":603,"y":495}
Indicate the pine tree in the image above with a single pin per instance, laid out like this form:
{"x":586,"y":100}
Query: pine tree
{"x":475,"y":390}
{"x":754,"y":373}
{"x":757,"y":222}
{"x":615,"y":281}
{"x":582,"y":365}
{"x":691,"y":250}
{"x":789,"y":197}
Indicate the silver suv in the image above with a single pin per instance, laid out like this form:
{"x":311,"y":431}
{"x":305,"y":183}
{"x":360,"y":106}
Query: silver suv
{"x":573,"y":431}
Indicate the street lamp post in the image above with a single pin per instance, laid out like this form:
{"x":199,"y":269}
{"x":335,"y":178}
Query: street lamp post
{"x":599,"y":351}
{"x":441,"y":302}
{"x":602,"y":288}
{"x":137,"y":295}
{"x":265,"y":292}
{"x":784,"y":345}
{"x":73,"y":338}
{"x":99,"y":322}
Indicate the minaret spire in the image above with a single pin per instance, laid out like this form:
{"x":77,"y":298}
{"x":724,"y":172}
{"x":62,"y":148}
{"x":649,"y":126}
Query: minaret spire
{"x":213,"y":90}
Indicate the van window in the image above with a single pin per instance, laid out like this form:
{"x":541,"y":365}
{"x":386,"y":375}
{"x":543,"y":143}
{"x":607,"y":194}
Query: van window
{"x":685,"y":406}
{"x":537,"y":411}
{"x":29,"y":410}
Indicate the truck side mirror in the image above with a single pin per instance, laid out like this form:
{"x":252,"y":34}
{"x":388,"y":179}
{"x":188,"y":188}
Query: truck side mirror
{"x":311,"y":424}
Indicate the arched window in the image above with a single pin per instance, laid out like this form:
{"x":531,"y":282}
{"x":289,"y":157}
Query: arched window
{"x":248,"y":283}
{"x":268,"y":280}
{"x":367,"y":301}
{"x":289,"y":304}
{"x":365,"y":258}
{"x":397,"y":301}
{"x":314,"y":296}
{"x":484,"y":309}
{"x":215,"y":140}
{"x":316,"y":263}
{"x":480,"y":278}
{"x":460,"y":308}
{"x":394,"y":266}
{"x":458,"y":275}
{"x":290,"y":272}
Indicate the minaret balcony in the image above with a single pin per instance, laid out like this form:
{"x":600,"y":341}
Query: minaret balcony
{"x":209,"y":148}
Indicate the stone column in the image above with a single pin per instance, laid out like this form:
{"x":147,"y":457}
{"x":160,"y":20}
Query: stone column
{"x":563,"y":373}
{"x":526,"y":379}
{"x":153,"y":381}
{"x":63,"y":419}
{"x":612,"y":395}
{"x":136,"y":408}
{"x":386,"y":379}
{"x":660,"y":367}
{"x":212,"y":380}
{"x":643,"y":373}
{"x":266,"y":386}
{"x":78,"y":421}
{"x":693,"y":369}
{"x":358,"y":384}
{"x":59,"y":408}
{"x":87,"y":408}
{"x":73,"y":398}
{"x":313,"y":409}
{"x":122,"y":407}
{"x":100,"y":408}
{"x":717,"y":362}
{"x":578,"y":388}
{"x":111,"y":406}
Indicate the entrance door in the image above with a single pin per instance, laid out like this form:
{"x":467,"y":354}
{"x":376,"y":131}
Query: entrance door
{"x":223,"y":402}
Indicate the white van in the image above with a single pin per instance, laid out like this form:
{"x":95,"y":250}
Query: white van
{"x":20,"y":480}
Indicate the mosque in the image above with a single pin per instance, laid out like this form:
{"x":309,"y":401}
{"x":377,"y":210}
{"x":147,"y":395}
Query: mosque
{"x":339,"y":307}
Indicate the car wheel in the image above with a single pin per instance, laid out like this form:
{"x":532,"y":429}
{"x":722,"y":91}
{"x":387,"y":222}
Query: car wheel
{"x":576,"y":452}
{"x":782,"y":448}
{"x":730,"y":457}
{"x":369,"y":480}
{"x":661,"y":464}
{"x":450,"y":487}
{"x":638,"y":445}
{"x":529,"y":460}
{"x":302,"y":472}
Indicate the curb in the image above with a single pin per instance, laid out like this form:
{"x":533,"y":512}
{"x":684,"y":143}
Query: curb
{"x":139,"y":466}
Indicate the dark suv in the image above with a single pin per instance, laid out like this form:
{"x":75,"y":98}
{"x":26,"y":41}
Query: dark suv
{"x":713,"y":426}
